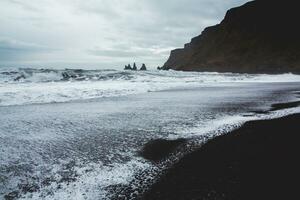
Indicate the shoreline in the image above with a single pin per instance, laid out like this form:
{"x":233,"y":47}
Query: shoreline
{"x":255,"y":161}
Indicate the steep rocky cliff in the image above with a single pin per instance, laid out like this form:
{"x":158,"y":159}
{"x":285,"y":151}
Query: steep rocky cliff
{"x":262,"y":36}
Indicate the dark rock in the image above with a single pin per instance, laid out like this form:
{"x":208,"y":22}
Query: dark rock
{"x":65,"y":75}
{"x":11,"y":196}
{"x":127,"y":67}
{"x":134,"y":67}
{"x":163,"y":68}
{"x":143,"y":68}
{"x":261,"y":36}
{"x":19,"y":77}
{"x":29,"y":187}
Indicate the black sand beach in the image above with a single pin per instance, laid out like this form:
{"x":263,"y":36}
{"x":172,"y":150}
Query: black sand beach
{"x":257,"y":161}
{"x":89,"y":149}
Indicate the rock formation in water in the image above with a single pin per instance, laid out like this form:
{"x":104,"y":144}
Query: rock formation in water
{"x":262,"y":36}
{"x":128,"y":67}
{"x":134,"y":67}
{"x":143,"y":68}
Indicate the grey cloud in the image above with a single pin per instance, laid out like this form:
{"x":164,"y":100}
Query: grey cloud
{"x":15,"y":45}
{"x":122,"y":53}
{"x":13,"y":49}
{"x":24,"y":4}
{"x":103,"y":30}
{"x":113,"y":53}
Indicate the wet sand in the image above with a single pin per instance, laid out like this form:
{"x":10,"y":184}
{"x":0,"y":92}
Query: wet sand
{"x":157,"y":150}
{"x":257,"y":161}
{"x":281,"y":106}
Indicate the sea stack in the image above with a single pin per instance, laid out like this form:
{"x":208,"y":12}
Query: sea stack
{"x":262,"y":36}
{"x":134,"y":67}
{"x":143,"y":68}
{"x":128,"y":67}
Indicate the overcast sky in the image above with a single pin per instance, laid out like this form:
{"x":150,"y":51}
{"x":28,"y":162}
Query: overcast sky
{"x":106,"y":32}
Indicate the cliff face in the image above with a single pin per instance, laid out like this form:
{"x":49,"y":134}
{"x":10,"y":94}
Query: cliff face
{"x":262,"y":36}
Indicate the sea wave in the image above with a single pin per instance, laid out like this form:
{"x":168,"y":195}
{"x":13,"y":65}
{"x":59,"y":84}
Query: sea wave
{"x":79,"y":152}
{"x":29,"y":86}
{"x":26,"y":75}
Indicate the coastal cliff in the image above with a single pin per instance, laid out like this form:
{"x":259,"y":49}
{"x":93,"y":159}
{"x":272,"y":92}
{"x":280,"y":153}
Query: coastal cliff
{"x":261,"y":36}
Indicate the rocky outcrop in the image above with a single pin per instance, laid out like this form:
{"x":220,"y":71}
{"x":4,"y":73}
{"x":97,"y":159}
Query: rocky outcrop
{"x":128,"y":67}
{"x":143,"y":68}
{"x":262,"y":36}
{"x":134,"y":67}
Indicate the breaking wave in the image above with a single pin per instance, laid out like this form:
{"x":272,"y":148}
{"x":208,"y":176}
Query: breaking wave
{"x":29,"y":86}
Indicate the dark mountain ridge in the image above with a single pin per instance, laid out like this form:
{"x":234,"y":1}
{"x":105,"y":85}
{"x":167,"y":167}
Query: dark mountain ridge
{"x":262,"y":36}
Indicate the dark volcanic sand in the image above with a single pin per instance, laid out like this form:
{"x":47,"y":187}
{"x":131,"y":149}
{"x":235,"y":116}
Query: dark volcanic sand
{"x":257,"y":161}
{"x":159,"y":149}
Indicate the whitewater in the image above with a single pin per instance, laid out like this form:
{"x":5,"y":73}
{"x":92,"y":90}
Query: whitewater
{"x":76,"y":133}
{"x":29,"y":86}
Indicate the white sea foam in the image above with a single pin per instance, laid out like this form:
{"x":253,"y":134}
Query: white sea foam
{"x":29,"y":86}
{"x":91,"y":183}
{"x":216,"y":128}
{"x":227,"y":123}
{"x":29,"y":142}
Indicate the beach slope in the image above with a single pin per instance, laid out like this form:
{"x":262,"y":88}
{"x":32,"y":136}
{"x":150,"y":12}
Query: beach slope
{"x":257,"y":161}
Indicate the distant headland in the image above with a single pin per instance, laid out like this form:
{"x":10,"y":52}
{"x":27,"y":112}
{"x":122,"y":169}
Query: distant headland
{"x":261,"y":36}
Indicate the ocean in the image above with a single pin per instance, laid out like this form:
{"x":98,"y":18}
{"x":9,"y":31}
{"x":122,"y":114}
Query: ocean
{"x":77,"y":133}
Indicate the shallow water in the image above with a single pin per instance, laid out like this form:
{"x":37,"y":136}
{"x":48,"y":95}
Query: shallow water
{"x":81,"y":148}
{"x":28,"y":86}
